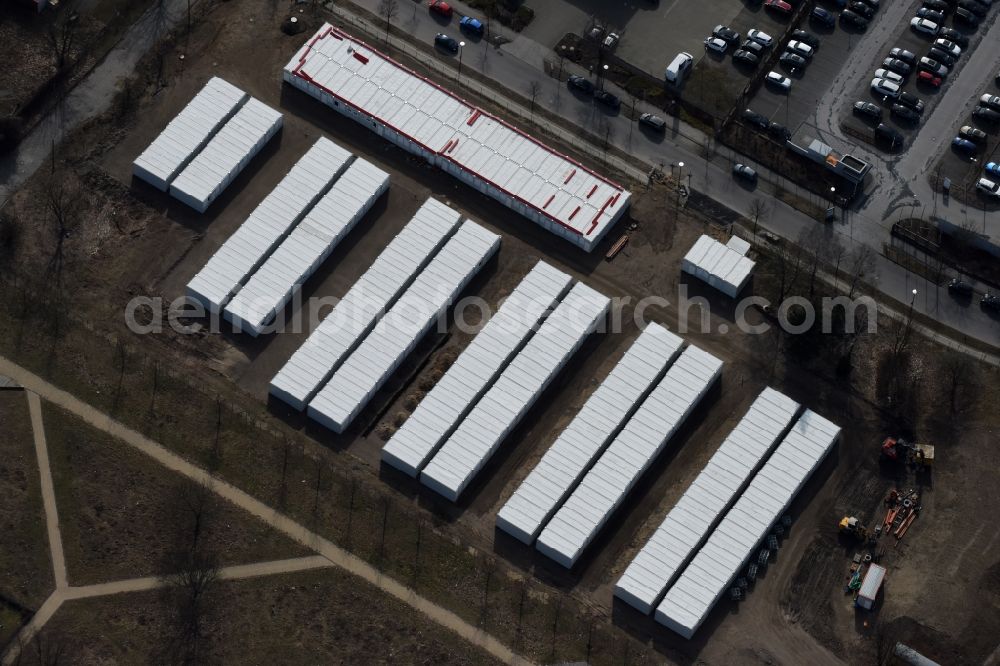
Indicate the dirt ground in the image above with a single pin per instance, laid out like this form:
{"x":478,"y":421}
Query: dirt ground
{"x":142,"y":242}
{"x":123,"y":516}
{"x":320,"y":617}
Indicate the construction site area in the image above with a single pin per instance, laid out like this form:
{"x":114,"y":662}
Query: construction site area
{"x":444,"y":411}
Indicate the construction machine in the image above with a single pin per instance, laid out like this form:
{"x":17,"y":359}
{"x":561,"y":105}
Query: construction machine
{"x":853,"y":527}
{"x":911,"y":453}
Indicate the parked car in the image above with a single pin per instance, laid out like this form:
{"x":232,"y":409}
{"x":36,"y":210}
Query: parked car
{"x":853,"y":19}
{"x":885,"y":88}
{"x":986,"y":115}
{"x":955,"y":36}
{"x":716,"y":44}
{"x":874,"y":4}
{"x":950,"y":47}
{"x":753,"y":47}
{"x":931,"y":15}
{"x":937,"y":6}
{"x":823,"y":17}
{"x":760,"y":37}
{"x":898,"y":66}
{"x":441,"y":8}
{"x":942,"y":57}
{"x":930,"y":79}
{"x":912,"y":101}
{"x":931,"y":65}
{"x":993,"y":168}
{"x":779,"y":131}
{"x":611,"y":40}
{"x":728,"y":34}
{"x":992,"y":101}
{"x":889,"y":75}
{"x":800,"y":48}
{"x":746,"y":58}
{"x":904,"y":112}
{"x":755,"y":119}
{"x":924,"y":26}
{"x":472,"y":26}
{"x":963,"y":15}
{"x":778,"y":7}
{"x":960,"y":287}
{"x":973,"y":134}
{"x":443,"y":41}
{"x":745,"y":172}
{"x":868,"y":110}
{"x":792,"y":61}
{"x":776,"y":80}
{"x":608,"y":99}
{"x":653,"y":122}
{"x":807,"y":37}
{"x":963,"y":145}
{"x":861,"y":8}
{"x":973,"y":8}
{"x":988,"y":187}
{"x":888,"y":136}
{"x":909,"y":57}
{"x":580,"y":83}
{"x":990,"y":302}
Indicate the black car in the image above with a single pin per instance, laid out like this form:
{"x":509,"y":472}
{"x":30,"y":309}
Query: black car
{"x":937,"y":6}
{"x":862,"y":9}
{"x":966,"y":17}
{"x":888,"y":136}
{"x":443,"y":41}
{"x":792,"y":60}
{"x":868,"y":110}
{"x":850,"y":18}
{"x":909,"y":57}
{"x":779,"y":131}
{"x":654,"y":123}
{"x":942,"y":56}
{"x":726,"y":34}
{"x":872,"y":3}
{"x":825,"y":18}
{"x":580,"y":83}
{"x":747,"y":173}
{"x":753,"y":47}
{"x":986,"y":115}
{"x":930,"y":15}
{"x":609,"y":100}
{"x":955,"y":37}
{"x":807,"y":37}
{"x":904,"y":112}
{"x":990,"y":302}
{"x":746,"y":58}
{"x":896,"y":65}
{"x":912,"y":101}
{"x":973,"y":6}
{"x":960,"y":287}
{"x":755,"y":119}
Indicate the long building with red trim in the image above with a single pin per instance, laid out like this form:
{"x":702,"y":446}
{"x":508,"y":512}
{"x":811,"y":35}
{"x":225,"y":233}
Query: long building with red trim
{"x":476,"y":147}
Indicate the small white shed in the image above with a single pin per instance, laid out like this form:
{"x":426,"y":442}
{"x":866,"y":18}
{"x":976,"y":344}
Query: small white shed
{"x":724,"y":267}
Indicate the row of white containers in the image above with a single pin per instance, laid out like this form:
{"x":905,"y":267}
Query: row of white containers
{"x":587,"y":435}
{"x":475,"y":370}
{"x":724,"y":267}
{"x":699,"y":509}
{"x":269,"y":223}
{"x":308,"y":245}
{"x":478,"y":436}
{"x":688,"y":602}
{"x":397,"y":333}
{"x":626,"y":459}
{"x":312,"y":364}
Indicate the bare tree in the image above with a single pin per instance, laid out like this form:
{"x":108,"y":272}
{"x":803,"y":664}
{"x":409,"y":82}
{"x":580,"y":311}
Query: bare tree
{"x":861,"y":263}
{"x":758,"y":207}
{"x":534,"y":87}
{"x":958,"y":372}
{"x":388,"y":9}
{"x":62,"y":200}
{"x":61,"y":36}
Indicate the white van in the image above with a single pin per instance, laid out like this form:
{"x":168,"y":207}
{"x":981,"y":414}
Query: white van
{"x":679,"y":68}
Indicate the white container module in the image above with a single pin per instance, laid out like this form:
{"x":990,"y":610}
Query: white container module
{"x":363,"y":305}
{"x":475,"y":370}
{"x":270,"y":222}
{"x":226,"y":155}
{"x":724,"y":267}
{"x":398,"y":332}
{"x":706,"y":500}
{"x":870,"y":586}
{"x":307,"y":247}
{"x":478,"y":436}
{"x":644,"y":436}
{"x":188,"y":132}
{"x":689,"y":600}
{"x":594,"y":426}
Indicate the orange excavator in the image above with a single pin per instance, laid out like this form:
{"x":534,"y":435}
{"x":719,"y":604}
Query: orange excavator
{"x":898,"y":449}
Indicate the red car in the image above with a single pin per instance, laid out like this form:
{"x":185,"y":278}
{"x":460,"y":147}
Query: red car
{"x":927,"y":77}
{"x":778,"y":6}
{"x":440,"y":7}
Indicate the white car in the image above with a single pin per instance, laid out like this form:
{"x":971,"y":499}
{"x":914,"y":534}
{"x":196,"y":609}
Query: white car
{"x":889,"y":76}
{"x":987,"y":186}
{"x":948,"y":47}
{"x":716,"y":44}
{"x":800,"y":48}
{"x":885,"y":88}
{"x":924,"y":26}
{"x":760,"y":37}
{"x":992,"y":101}
{"x":778,"y":81}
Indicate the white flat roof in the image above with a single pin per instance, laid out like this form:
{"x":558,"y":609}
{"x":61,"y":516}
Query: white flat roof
{"x":475,"y":369}
{"x":688,"y":602}
{"x":554,"y":185}
{"x":477,"y":438}
{"x":600,"y":418}
{"x":635,"y":448}
{"x":721,"y":266}
{"x":364,"y":303}
{"x":688,"y":524}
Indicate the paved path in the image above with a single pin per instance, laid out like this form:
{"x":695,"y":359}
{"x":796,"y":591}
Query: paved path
{"x":48,"y":491}
{"x":327,"y":549}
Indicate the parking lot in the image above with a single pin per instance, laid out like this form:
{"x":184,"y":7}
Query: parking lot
{"x":963,"y":169}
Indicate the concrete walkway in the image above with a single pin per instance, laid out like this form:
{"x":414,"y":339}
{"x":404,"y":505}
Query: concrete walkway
{"x":327,"y":549}
{"x":48,"y":491}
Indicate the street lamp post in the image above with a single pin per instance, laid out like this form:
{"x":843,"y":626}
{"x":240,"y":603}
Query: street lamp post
{"x":461,"y":48}
{"x":677,"y":186}
{"x":604,"y":73}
